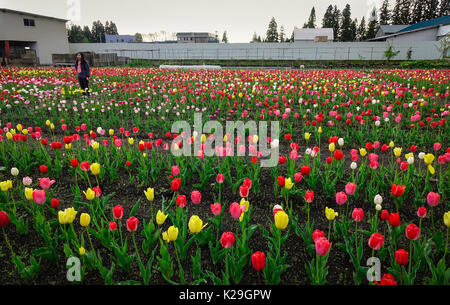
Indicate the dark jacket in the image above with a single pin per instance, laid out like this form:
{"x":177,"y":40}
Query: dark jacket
{"x":85,"y":71}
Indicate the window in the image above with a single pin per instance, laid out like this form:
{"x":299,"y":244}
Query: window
{"x":28,"y":22}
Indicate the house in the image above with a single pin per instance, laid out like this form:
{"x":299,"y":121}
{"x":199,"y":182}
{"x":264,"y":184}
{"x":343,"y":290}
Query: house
{"x":196,"y":37}
{"x":312,"y":34}
{"x":119,"y":38}
{"x":429,"y":30}
{"x":386,"y":29}
{"x":24,"y":35}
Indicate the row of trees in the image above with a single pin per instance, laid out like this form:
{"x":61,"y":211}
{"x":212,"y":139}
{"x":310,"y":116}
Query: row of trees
{"x":347,"y":29}
{"x":95,"y":34}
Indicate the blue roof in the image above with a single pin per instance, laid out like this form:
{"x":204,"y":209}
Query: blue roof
{"x":427,"y":23}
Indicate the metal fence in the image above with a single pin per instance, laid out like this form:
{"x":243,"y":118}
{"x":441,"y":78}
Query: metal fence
{"x":258,"y":51}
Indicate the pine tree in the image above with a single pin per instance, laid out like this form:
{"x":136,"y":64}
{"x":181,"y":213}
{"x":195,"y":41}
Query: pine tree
{"x":336,"y":23}
{"x":444,"y":8}
{"x":138,"y":37}
{"x":87,"y":34}
{"x":396,"y":12}
{"x":353,"y":29}
{"x":431,"y":9}
{"x":272,"y":32}
{"x":259,"y":38}
{"x":405,"y":12}
{"x":417,"y":14}
{"x":385,"y":14}
{"x":311,"y":20}
{"x":98,"y":31}
{"x":361,"y":31}
{"x":346,"y":22}
{"x":216,"y":36}
{"x":224,"y":37}
{"x":254,"y":38}
{"x":373,"y":25}
{"x":75,"y":34}
{"x":292,"y":35}
{"x":327,"y":20}
{"x":111,"y":28}
{"x":282,"y":35}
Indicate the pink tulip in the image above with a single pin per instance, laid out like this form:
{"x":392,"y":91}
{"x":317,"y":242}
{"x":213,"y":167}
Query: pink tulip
{"x":422,"y":212}
{"x":39,"y":196}
{"x":350,"y":188}
{"x":433,"y":199}
{"x":216,"y":208}
{"x":322,"y":246}
{"x":45,"y":183}
{"x":243,"y":191}
{"x":309,"y":196}
{"x":196,"y":197}
{"x":341,"y":198}
{"x":298,"y":177}
{"x":235,"y":210}
{"x":175,"y":170}
{"x":220,"y":178}
{"x":437,"y":146}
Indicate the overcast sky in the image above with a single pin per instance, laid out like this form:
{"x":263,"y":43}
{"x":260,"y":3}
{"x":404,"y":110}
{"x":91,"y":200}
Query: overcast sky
{"x":240,"y":18}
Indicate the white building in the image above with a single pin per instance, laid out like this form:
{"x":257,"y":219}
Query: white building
{"x":311,"y":34}
{"x":20,"y":31}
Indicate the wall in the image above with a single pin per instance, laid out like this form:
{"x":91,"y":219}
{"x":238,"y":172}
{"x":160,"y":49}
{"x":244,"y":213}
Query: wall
{"x":50,"y":35}
{"x":424,"y":35}
{"x":276,"y":51}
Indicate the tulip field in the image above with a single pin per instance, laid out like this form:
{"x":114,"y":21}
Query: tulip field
{"x":93,"y":193}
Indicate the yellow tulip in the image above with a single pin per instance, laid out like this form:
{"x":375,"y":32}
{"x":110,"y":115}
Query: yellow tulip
{"x":391,"y":144}
{"x":25,"y":131}
{"x":225,"y":138}
{"x":62,"y":217}
{"x":160,"y":217}
{"x":95,"y":145}
{"x":9,"y":136}
{"x":150,"y":194}
{"x":130,"y":141}
{"x":409,"y":155}
{"x":447,"y":219}
{"x":111,"y":132}
{"x":281,"y":220}
{"x":19,"y":127}
{"x":85,"y":220}
{"x":90,"y":194}
{"x":330,"y":214}
{"x":165,"y":236}
{"x":245,"y":203}
{"x":172,"y":233}
{"x":52,"y":126}
{"x":68,"y":146}
{"x":69,"y":215}
{"x":307,"y":136}
{"x":362,"y":152}
{"x":29,"y":193}
{"x":320,"y":129}
{"x":428,"y":159}
{"x":288,"y":183}
{"x":95,"y":168}
{"x":397,"y":151}
{"x":431,"y":169}
{"x":203,"y":138}
{"x":255,"y":139}
{"x":82,"y":251}
{"x":331,"y":147}
{"x":47,"y":123}
{"x":196,"y":224}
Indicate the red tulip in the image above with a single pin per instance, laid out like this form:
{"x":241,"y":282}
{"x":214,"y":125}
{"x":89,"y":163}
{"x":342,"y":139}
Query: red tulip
{"x":85,"y":166}
{"x":387,"y":279}
{"x":394,"y":219}
{"x":248,"y":182}
{"x":376,"y":241}
{"x":288,"y":136}
{"x":45,"y":183}
{"x":118,"y":212}
{"x":181,"y":201}
{"x":384,"y":215}
{"x":4,"y":219}
{"x":216,"y":208}
{"x":243,"y":191}
{"x":358,"y":214}
{"x":338,"y":154}
{"x":401,"y":257}
{"x":112,"y":226}
{"x":397,"y":190}
{"x":74,"y":163}
{"x":175,"y":184}
{"x":97,"y":191}
{"x":175,"y":170}
{"x":317,"y":234}
{"x":322,"y":246}
{"x":196,"y":197}
{"x":305,"y":169}
{"x":422,"y":212}
{"x":43,"y":169}
{"x":132,"y":224}
{"x":412,"y":232}
{"x":220,"y":178}
{"x":309,"y":196}
{"x":227,"y":239}
{"x":259,"y":261}
{"x":281,"y":159}
{"x":281,"y":181}
{"x":54,"y":203}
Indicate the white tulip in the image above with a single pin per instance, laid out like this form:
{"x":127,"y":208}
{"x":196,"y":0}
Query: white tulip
{"x":341,"y":142}
{"x":353,"y":165}
{"x":378,"y":207}
{"x":378,"y":199}
{"x":410,"y":160}
{"x":14,"y":171}
{"x":274,"y":143}
{"x":421,"y":155}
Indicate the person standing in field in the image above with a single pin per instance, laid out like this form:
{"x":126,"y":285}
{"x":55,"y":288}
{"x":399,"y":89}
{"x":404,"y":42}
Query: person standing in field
{"x":83,"y":72}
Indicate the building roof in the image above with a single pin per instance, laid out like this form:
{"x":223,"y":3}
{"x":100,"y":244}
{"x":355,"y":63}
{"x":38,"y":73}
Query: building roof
{"x":195,"y":34}
{"x":311,"y":33}
{"x":428,"y":23}
{"x":119,"y":36}
{"x":7,"y":10}
{"x":393,"y":28}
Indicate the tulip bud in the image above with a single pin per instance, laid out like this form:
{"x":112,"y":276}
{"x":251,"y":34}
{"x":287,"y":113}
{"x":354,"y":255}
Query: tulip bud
{"x":85,"y":219}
